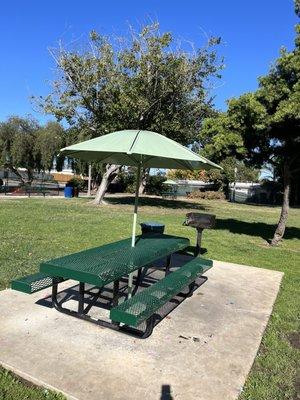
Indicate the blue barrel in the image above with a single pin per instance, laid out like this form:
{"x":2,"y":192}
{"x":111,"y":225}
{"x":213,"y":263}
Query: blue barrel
{"x":68,"y":192}
{"x":152,"y":227}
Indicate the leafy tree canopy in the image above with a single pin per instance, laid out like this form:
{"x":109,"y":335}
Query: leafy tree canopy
{"x":144,"y":81}
{"x":25,"y":144}
{"x":49,"y":140}
{"x":264,"y":126}
{"x":220,"y":139}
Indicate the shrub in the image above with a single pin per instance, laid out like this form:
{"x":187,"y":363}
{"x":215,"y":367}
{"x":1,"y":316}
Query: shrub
{"x":76,"y":182}
{"x":127,"y":183}
{"x":130,"y":188}
{"x":155,"y":184}
{"x":207,"y":195}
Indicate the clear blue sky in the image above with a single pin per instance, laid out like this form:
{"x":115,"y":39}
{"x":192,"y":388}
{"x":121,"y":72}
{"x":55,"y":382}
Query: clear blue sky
{"x":253,"y":32}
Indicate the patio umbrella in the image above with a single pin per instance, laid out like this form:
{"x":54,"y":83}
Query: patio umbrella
{"x":141,"y":149}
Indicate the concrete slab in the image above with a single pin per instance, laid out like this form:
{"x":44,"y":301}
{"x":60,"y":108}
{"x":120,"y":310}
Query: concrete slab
{"x":204,"y":349}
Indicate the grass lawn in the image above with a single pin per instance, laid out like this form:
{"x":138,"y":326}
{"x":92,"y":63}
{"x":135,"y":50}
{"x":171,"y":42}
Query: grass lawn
{"x":33,"y":230}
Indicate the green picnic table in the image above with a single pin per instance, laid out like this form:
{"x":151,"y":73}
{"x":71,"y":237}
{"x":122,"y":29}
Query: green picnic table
{"x":107,"y":264}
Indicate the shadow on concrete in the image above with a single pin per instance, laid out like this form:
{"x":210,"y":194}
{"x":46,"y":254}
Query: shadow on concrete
{"x":261,"y":229}
{"x":166,"y":393}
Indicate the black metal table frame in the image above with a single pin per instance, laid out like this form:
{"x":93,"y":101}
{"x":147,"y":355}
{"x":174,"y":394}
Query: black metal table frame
{"x":82,"y":312}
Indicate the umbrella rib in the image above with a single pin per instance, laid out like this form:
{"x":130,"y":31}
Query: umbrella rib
{"x":133,"y":159}
{"x":109,"y":154}
{"x":182,"y":164}
{"x":73,"y":152}
{"x":174,"y":159}
{"x":133,"y":143}
{"x":128,"y":155}
{"x":149,"y":158}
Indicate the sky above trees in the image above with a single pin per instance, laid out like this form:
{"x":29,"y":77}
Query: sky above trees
{"x":252,"y":33}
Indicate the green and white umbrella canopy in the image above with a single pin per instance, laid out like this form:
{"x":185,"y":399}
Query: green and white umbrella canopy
{"x":141,"y":149}
{"x":136,"y":148}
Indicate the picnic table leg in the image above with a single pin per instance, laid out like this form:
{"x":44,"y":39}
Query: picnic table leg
{"x":113,"y":325}
{"x":193,"y":286}
{"x":116,"y":293}
{"x":149,"y":327}
{"x":54,"y":292}
{"x":81,"y":298}
{"x":138,"y":281}
{"x":115,"y":300}
{"x":168,"y":265}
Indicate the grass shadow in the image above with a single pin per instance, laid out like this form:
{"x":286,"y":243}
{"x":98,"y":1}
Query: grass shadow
{"x":156,"y":202}
{"x":261,"y":229}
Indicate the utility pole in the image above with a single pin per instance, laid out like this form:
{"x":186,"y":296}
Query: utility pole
{"x":89,"y":180}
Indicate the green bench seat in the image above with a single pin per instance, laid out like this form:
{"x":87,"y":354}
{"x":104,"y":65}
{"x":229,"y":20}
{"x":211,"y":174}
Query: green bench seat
{"x":145,"y":303}
{"x":32,"y":283}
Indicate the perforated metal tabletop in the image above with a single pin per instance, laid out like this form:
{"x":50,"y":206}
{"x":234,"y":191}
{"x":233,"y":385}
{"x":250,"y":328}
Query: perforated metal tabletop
{"x":102,"y":265}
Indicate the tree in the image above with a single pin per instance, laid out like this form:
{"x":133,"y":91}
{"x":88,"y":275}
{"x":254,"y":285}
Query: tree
{"x":185,"y":174}
{"x":17,"y":146}
{"x":144,"y":81}
{"x":268,"y":123}
{"x":221,"y":141}
{"x":219,"y":138}
{"x":25,"y":144}
{"x":49,"y":140}
{"x":275,"y":132}
{"x":234,"y":170}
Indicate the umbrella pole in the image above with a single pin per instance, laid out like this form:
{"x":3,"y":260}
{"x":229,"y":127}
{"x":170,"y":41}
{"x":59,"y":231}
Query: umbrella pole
{"x":136,"y":203}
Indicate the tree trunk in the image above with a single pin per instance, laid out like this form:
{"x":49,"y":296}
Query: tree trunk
{"x":109,"y":175}
{"x":30,"y":176}
{"x":143,"y":183}
{"x":279,"y":232}
{"x":16,"y":172}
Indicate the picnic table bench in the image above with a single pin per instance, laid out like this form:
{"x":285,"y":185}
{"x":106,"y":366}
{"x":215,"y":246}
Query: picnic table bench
{"x":37,"y":189}
{"x":171,"y":194}
{"x":110,"y":263}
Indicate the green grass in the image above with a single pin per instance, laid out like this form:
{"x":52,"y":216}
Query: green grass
{"x":11,"y":388}
{"x":33,"y":230}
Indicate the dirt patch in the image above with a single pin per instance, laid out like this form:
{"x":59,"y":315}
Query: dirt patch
{"x":294,"y":339}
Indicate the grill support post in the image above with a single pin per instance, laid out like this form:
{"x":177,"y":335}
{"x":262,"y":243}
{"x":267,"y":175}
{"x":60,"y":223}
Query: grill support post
{"x":198,"y":241}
